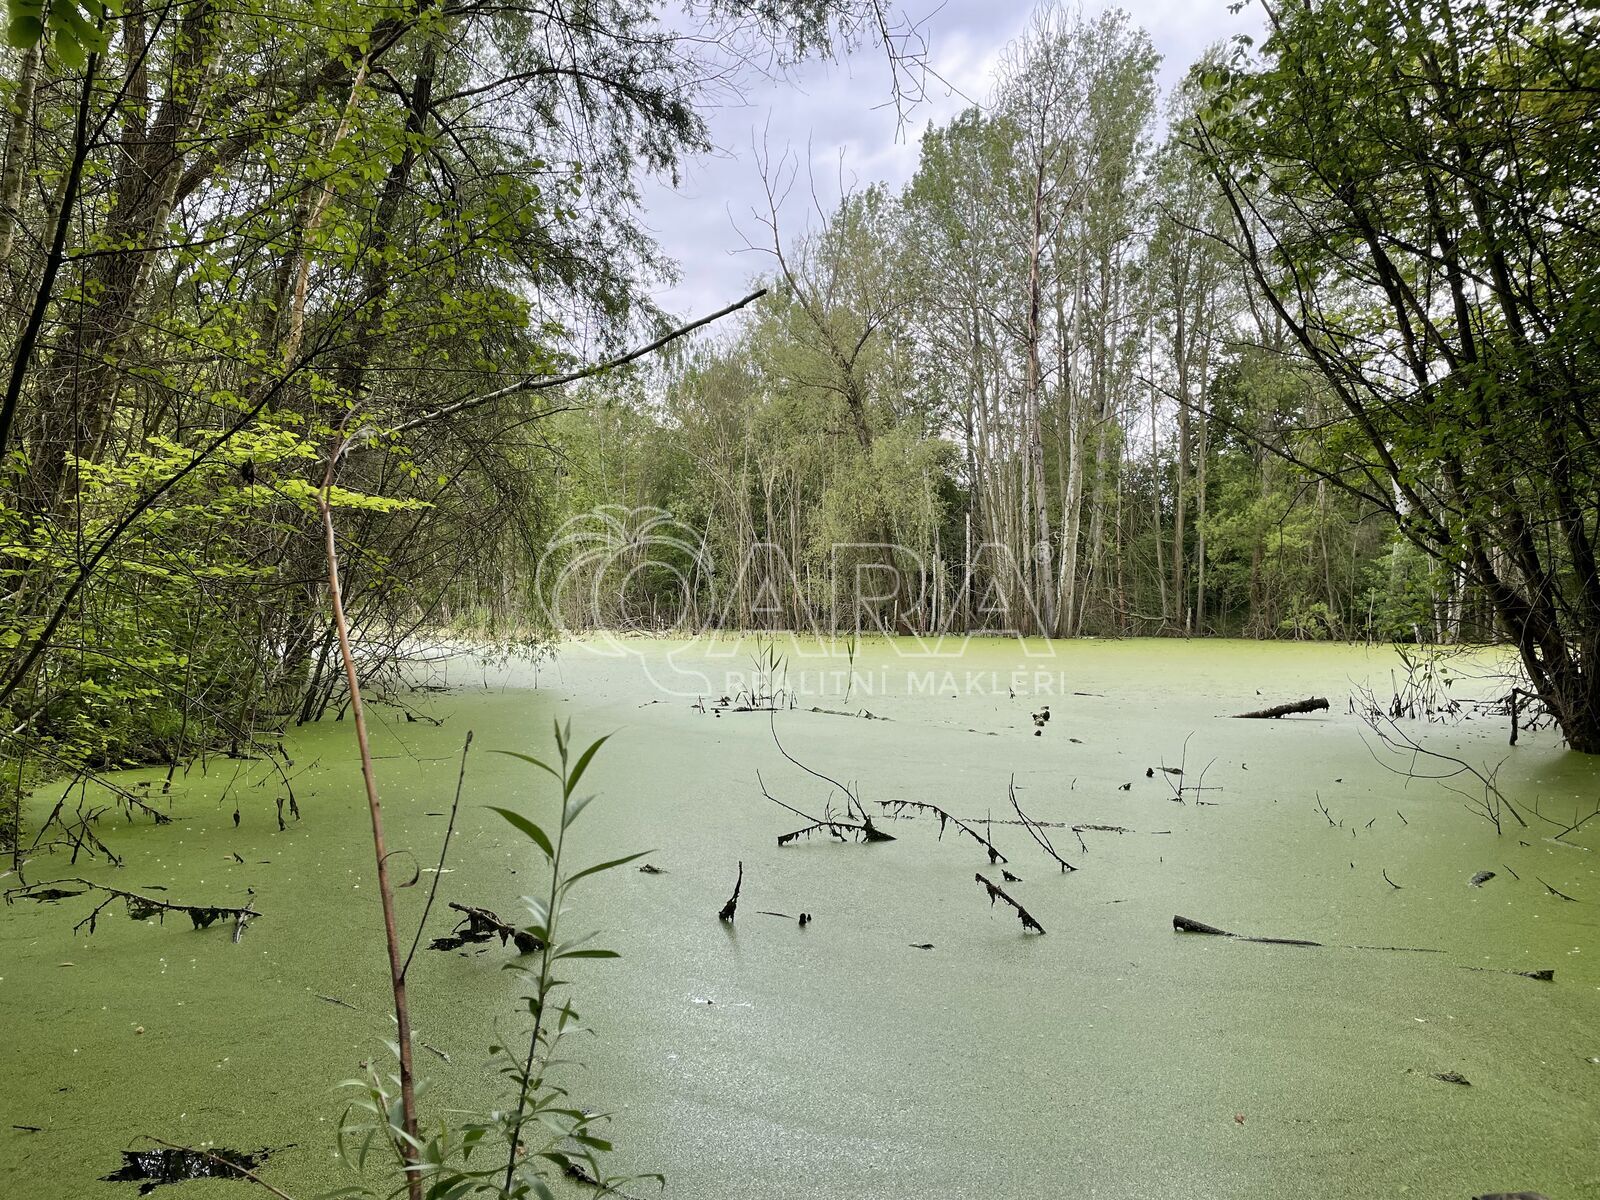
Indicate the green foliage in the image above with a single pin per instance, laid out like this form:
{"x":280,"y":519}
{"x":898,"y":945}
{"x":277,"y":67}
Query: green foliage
{"x":74,"y":28}
{"x":539,"y":1136}
{"x":1412,"y":190}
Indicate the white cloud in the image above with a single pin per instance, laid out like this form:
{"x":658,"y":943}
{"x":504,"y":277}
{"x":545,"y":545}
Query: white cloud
{"x":842,"y":107}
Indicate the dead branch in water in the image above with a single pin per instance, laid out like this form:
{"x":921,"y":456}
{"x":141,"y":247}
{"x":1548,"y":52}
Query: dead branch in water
{"x":852,"y":801}
{"x":444,"y":850}
{"x":1190,"y":925}
{"x":1403,"y":745}
{"x":142,"y":907}
{"x":996,"y":892}
{"x":898,"y":806}
{"x":732,"y":906}
{"x":835,"y":826}
{"x":1035,"y":832}
{"x":1314,"y":704}
{"x":479,"y":925}
{"x":1169,"y":774}
{"x":1554,"y":892}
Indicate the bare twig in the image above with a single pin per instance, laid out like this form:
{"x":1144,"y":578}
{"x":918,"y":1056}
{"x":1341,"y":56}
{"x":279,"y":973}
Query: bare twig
{"x":444,"y":849}
{"x":897,"y":806}
{"x":1035,"y":831}
{"x":536,"y":383}
{"x":996,"y":892}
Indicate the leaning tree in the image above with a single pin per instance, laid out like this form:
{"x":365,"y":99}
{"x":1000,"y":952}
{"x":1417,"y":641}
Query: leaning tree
{"x":1412,"y":186}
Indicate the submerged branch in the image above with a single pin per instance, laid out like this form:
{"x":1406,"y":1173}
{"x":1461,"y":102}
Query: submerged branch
{"x":1035,"y":831}
{"x":863,"y":830}
{"x":898,"y":806}
{"x":479,"y":925}
{"x":142,"y":907}
{"x":1190,"y":925}
{"x":996,"y":892}
{"x":732,"y":906}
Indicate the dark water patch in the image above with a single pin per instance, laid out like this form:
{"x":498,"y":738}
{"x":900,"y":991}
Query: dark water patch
{"x":151,"y":1169}
{"x":51,"y":894}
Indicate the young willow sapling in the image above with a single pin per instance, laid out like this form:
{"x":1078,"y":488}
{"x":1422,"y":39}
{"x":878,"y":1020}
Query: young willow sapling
{"x":538,"y":1136}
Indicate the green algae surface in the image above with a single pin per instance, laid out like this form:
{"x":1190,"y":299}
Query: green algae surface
{"x":1111,"y":1057}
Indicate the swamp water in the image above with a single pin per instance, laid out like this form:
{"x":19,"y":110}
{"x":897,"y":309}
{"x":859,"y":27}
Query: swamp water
{"x":1111,"y":1057}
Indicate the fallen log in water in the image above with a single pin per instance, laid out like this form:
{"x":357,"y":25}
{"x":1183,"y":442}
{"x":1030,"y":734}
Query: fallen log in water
{"x":1314,"y":704}
{"x":1190,"y":925}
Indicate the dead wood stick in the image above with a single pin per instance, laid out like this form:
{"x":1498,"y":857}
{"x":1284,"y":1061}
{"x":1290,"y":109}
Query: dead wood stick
{"x":1034,"y":831}
{"x":1190,"y":925}
{"x":1314,"y":704}
{"x":864,"y":829}
{"x":996,"y":892}
{"x":852,"y":802}
{"x":898,"y":806}
{"x":444,"y":850}
{"x":732,"y":906}
{"x":1547,"y":975}
{"x":141,"y":906}
{"x":482,"y":921}
{"x":1555,"y":892}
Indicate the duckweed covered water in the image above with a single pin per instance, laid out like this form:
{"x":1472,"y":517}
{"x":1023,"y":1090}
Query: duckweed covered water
{"x":1111,"y":1057}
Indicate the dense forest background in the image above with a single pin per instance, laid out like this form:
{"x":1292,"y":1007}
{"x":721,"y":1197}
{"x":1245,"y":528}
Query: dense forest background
{"x":1036,"y":371}
{"x":1302,"y":350}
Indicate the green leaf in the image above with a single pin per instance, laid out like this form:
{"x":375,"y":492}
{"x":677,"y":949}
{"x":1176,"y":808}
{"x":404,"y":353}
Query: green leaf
{"x":582,"y":764}
{"x":528,"y":827}
{"x":24,"y":30}
{"x":539,"y":910}
{"x":528,"y":758}
{"x":574,"y":807}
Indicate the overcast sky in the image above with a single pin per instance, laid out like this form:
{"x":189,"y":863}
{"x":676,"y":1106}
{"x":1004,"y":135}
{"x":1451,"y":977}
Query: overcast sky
{"x":834,"y":109}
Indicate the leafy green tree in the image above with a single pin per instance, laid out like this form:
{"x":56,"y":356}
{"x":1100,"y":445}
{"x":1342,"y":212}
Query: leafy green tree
{"x":1409,"y":184}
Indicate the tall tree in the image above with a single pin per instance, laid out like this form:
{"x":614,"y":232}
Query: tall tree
{"x":1409,"y":183}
